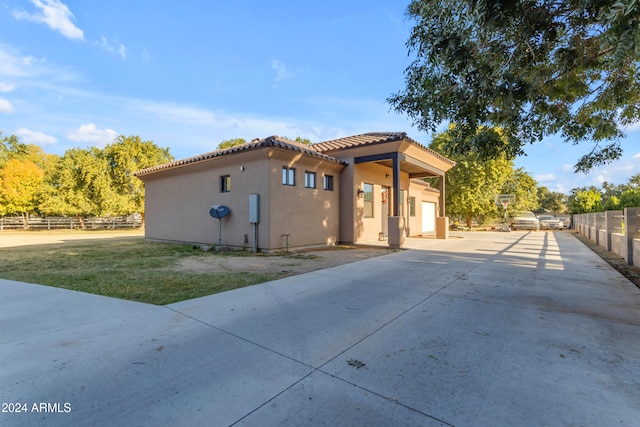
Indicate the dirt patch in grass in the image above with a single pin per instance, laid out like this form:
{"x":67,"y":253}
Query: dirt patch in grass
{"x":291,"y":263}
{"x":614,"y":260}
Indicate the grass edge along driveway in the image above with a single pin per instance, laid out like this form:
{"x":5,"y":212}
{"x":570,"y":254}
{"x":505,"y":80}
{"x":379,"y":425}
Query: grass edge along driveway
{"x":129,"y":268}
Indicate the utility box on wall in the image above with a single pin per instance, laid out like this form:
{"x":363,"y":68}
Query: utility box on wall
{"x":254,"y":208}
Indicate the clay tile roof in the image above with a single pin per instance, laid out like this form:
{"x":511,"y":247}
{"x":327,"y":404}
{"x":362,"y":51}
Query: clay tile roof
{"x":272,"y":141}
{"x":371,"y":139}
{"x":359,"y":140}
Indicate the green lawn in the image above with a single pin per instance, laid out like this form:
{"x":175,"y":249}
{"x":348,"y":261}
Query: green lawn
{"x":128,"y":268}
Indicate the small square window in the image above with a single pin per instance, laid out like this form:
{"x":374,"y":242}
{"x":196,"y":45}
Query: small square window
{"x":288,"y":176}
{"x":225,"y":183}
{"x":310,"y":179}
{"x":328,"y":182}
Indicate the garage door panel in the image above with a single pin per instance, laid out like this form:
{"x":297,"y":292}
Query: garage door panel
{"x":428,"y":217}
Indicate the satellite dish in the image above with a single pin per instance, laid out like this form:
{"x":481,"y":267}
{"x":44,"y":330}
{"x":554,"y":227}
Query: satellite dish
{"x":219,"y":211}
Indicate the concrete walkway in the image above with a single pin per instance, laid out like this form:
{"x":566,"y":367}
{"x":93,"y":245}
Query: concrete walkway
{"x":492,"y":329}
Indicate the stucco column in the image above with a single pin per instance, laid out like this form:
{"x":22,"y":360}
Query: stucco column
{"x":396,"y":236}
{"x":442,"y":227}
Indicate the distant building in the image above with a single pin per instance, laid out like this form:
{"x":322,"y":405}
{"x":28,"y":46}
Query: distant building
{"x":350,"y":190}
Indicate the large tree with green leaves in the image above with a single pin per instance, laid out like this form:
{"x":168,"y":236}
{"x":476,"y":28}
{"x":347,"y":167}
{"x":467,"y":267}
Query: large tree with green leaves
{"x":473,"y":184}
{"x":12,"y":148}
{"x":621,"y":196}
{"x":530,"y":67}
{"x":551,"y":201}
{"x":524,"y":187}
{"x":585,"y":200}
{"x":630,"y":199}
{"x":86,"y":182}
{"x":80,"y":185}
{"x":20,"y":181}
{"x":22,"y":171}
{"x":124,"y":156}
{"x":234,"y":142}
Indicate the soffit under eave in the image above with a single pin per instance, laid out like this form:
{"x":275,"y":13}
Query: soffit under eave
{"x":426,"y":155}
{"x":414,"y":167}
{"x":424,"y":163}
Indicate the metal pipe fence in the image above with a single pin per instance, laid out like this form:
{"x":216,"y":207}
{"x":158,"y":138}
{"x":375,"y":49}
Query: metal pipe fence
{"x":71,"y":223}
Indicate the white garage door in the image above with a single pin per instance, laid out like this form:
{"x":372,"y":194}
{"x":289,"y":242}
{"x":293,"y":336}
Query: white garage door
{"x":428,"y":217}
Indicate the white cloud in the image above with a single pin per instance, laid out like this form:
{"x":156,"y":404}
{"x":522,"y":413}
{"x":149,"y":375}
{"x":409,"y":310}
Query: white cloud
{"x":281,"y":71}
{"x":55,"y":14}
{"x":117,"y":47}
{"x":225,"y":122}
{"x":600,"y":178}
{"x":146,"y":56}
{"x":37,"y":138}
{"x":90,"y":133}
{"x":632,"y":128}
{"x":179,"y":113}
{"x":15,"y":66}
{"x":617,"y":172}
{"x":6,"y":107}
{"x":201,"y":129}
{"x":6,"y":87}
{"x":545,"y":177}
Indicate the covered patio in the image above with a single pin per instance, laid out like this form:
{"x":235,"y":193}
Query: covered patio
{"x":390,"y":160}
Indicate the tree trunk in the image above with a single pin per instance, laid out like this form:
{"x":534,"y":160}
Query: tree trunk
{"x":25,"y":220}
{"x":82,"y":225}
{"x":468,"y":218}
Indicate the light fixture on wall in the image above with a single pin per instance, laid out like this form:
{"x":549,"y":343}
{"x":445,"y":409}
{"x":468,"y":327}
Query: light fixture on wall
{"x":387,"y":175}
{"x":360,"y":193}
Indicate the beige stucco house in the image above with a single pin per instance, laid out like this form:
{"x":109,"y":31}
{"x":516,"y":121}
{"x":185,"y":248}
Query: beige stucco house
{"x":281,"y":193}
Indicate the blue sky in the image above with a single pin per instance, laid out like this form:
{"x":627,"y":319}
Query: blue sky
{"x":188,"y":75}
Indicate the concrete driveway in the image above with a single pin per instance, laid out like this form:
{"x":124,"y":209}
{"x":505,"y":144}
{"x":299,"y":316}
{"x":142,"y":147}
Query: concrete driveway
{"x":491,"y":329}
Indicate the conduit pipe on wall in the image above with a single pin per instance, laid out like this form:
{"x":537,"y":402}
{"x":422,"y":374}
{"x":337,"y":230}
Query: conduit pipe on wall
{"x":255,"y":237}
{"x":254,"y":217}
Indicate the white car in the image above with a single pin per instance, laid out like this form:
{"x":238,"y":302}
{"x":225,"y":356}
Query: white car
{"x":524,"y":220}
{"x":549,"y":222}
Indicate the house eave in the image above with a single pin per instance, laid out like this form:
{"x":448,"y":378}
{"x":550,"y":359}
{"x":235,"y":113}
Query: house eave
{"x":270,"y":142}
